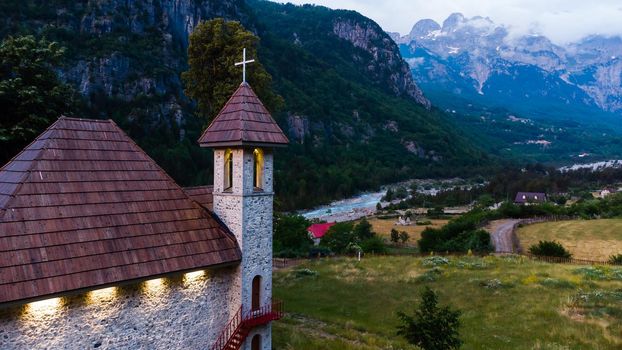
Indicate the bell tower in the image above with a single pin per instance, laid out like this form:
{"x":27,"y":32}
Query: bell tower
{"x":243,"y":137}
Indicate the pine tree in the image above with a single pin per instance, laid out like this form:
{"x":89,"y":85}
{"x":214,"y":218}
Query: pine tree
{"x":431,"y":327}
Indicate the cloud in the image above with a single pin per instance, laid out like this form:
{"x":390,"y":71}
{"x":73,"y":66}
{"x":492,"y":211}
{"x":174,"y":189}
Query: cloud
{"x":562,"y":21}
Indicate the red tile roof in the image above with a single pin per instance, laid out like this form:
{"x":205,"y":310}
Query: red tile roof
{"x":202,"y":194}
{"x":83,"y":206}
{"x":243,"y":121}
{"x":319,"y":230}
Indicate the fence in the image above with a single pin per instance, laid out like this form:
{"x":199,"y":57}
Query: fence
{"x":285,"y":262}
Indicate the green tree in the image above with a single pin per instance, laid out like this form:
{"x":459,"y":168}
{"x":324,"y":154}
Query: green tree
{"x":212,"y":77}
{"x":404,"y":236}
{"x":395,"y":235}
{"x":339,"y":237}
{"x":31,"y":94}
{"x":290,"y":235}
{"x":431,"y":327}
{"x":363,"y":230}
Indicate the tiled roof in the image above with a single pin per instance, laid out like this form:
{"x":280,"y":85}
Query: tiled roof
{"x":529,"y":197}
{"x":202,"y":194}
{"x":243,"y":121}
{"x":319,"y":230}
{"x":84,"y":206}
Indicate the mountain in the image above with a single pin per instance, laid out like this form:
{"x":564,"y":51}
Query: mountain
{"x":353,"y":112}
{"x":522,"y":97}
{"x":476,"y":58}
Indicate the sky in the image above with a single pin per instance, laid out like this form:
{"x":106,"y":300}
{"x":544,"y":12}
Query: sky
{"x":563,"y":21}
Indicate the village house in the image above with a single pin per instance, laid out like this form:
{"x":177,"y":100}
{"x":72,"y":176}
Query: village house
{"x":607,"y":191}
{"x":317,"y":231}
{"x":100,"y":248}
{"x":526,"y":198}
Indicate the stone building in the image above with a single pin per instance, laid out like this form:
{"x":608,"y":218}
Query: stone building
{"x":100,"y":248}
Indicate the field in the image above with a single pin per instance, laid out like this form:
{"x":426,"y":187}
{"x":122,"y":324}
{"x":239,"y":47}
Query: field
{"x":506,"y":302}
{"x":585,"y":239}
{"x":383,"y":228}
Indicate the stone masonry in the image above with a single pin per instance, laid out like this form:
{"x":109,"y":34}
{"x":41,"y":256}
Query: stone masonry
{"x":248,"y":214}
{"x":178,"y":312}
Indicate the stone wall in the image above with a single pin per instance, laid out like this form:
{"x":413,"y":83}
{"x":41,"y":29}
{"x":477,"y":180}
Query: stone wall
{"x":248,"y":214}
{"x":179,"y":312}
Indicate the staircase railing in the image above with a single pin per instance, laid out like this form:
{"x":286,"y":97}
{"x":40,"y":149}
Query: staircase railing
{"x":230,"y":329}
{"x":242,"y":323}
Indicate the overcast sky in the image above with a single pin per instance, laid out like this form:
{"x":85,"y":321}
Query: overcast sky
{"x":561,"y":20}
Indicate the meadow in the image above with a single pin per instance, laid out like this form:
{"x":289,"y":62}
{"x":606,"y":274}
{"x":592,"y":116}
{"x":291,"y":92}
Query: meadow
{"x":506,"y":302}
{"x":585,"y":239}
{"x":383,"y":228}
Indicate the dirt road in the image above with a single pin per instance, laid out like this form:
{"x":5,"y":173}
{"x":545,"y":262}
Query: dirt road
{"x":501,"y":235}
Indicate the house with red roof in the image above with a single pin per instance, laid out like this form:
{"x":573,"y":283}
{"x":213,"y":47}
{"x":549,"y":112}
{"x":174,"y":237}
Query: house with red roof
{"x":99,"y":247}
{"x":317,"y":231}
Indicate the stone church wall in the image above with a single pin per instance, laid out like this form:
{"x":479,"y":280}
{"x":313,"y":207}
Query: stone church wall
{"x":179,"y":312}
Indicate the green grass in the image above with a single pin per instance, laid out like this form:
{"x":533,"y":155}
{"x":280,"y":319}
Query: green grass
{"x":507,"y":303}
{"x":585,"y":239}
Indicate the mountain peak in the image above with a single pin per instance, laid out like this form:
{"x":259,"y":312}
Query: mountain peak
{"x":423,"y":28}
{"x":453,"y":21}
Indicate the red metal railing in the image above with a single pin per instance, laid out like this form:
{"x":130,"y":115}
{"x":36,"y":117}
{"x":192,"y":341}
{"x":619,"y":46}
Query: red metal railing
{"x":230,"y":329}
{"x":238,"y":328}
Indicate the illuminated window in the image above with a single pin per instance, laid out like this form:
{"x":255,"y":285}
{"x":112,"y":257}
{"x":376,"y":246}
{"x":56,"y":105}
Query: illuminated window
{"x":258,"y":169}
{"x":228,"y":176}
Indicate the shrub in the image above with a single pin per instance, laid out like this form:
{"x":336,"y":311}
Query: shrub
{"x":404,"y":236}
{"x":395,"y":235}
{"x":373,"y":245}
{"x":305,"y":273}
{"x":435,"y":261}
{"x":431,"y":327}
{"x":550,"y":248}
{"x":616,"y":259}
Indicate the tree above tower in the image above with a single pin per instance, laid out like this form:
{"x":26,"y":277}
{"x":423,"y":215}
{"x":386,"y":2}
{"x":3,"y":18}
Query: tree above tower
{"x":214,"y":48}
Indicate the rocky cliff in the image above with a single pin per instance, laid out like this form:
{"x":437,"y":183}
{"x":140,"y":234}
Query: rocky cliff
{"x":387,"y":63}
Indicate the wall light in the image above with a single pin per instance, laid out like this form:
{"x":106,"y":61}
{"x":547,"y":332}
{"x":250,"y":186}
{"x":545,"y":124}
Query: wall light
{"x":155,"y":285}
{"x":194,"y":275}
{"x":101,"y":294}
{"x":44,"y":307}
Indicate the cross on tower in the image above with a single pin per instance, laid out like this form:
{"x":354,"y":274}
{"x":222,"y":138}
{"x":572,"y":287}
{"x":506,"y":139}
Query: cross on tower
{"x":243,"y":64}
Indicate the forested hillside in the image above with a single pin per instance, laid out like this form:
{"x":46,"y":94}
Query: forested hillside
{"x":354,"y":115}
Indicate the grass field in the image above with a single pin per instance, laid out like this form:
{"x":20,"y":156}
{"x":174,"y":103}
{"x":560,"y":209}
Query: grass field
{"x":585,"y":239}
{"x":383,"y":228}
{"x":507,"y":303}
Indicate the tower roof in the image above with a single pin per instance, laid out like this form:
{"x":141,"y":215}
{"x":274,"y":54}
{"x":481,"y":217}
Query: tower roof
{"x":243,"y":121}
{"x":84,"y":206}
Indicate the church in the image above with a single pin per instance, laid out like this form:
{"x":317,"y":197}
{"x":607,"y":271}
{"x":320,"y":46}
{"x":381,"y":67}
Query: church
{"x":100,"y":248}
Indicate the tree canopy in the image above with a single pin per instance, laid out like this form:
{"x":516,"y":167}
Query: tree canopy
{"x":212,"y":77}
{"x":31,"y":94}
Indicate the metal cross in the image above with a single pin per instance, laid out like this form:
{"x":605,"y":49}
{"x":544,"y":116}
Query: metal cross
{"x":243,"y":64}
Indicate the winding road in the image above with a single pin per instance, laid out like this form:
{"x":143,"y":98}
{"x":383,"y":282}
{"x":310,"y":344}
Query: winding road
{"x":501,"y":232}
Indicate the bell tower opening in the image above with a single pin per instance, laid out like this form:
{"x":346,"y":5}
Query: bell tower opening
{"x":258,"y":169}
{"x":228,"y":169}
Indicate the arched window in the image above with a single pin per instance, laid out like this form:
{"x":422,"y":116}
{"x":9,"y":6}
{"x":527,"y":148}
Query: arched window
{"x":228,"y":176}
{"x":257,"y":169}
{"x":256,"y":342}
{"x":256,"y":293}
